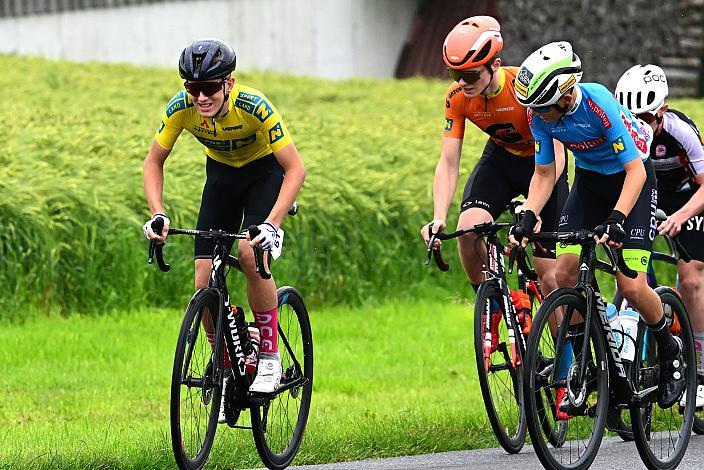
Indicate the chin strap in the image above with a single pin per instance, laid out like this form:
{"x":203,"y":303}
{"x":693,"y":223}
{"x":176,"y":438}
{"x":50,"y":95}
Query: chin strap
{"x":491,"y":78}
{"x":226,"y":100}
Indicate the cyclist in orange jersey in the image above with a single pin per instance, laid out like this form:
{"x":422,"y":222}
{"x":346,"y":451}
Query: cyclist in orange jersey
{"x":483,"y":92}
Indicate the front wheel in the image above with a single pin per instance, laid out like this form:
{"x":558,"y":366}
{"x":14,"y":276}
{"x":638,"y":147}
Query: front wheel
{"x":279,"y":423}
{"x":552,"y":370}
{"x":499,"y":366}
{"x":196,"y":385}
{"x":662,"y":435}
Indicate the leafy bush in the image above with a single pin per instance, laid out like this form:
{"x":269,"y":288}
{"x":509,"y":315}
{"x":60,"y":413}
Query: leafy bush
{"x":72,"y":203}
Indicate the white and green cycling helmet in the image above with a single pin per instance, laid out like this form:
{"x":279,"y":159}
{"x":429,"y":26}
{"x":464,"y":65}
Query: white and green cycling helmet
{"x":642,"y":88}
{"x":547,"y":74}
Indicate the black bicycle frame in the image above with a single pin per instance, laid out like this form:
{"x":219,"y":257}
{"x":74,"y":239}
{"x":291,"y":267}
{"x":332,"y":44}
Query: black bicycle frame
{"x":596,"y":307}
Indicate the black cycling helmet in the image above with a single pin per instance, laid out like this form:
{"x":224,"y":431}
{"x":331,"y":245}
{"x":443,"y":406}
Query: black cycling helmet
{"x":206,"y":59}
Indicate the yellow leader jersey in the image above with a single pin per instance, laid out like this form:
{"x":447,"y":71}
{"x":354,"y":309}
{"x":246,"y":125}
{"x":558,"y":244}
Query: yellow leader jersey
{"x":251,"y":128}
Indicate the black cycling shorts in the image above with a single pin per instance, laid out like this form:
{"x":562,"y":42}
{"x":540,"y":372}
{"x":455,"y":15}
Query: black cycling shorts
{"x":692,"y":234}
{"x":500,"y":176}
{"x":592,"y":199}
{"x":232,"y":194}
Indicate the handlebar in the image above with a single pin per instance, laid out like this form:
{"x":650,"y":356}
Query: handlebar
{"x":156,"y":248}
{"x":485,"y":228}
{"x":581,"y":237}
{"x":261,"y":262}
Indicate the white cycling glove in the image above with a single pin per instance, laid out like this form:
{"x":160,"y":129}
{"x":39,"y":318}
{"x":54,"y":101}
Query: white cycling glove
{"x":148,"y":227}
{"x":267,"y":237}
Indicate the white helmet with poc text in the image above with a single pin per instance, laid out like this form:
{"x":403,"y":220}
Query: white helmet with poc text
{"x":642,"y":88}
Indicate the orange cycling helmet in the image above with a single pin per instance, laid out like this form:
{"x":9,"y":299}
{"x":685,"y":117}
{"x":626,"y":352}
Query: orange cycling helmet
{"x":473,"y":42}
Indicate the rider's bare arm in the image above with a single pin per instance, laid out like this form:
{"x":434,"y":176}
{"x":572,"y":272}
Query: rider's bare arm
{"x":446,"y":174}
{"x":295,"y":173}
{"x":632,"y":186}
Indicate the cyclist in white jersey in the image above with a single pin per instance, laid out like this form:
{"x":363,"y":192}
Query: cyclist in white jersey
{"x":678,"y":157}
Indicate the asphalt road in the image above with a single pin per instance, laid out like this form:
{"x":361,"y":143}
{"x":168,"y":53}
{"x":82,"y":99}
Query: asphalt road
{"x":613,"y":454}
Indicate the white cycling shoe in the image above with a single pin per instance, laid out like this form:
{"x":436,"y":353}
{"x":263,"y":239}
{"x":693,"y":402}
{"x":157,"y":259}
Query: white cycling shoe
{"x":700,"y":398}
{"x":268,"y":374}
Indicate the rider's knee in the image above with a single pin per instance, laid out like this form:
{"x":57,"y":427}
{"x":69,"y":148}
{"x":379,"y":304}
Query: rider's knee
{"x":245,"y":255}
{"x":632,"y":289}
{"x":690,"y":285}
{"x":202,"y":273}
{"x":565,"y":277}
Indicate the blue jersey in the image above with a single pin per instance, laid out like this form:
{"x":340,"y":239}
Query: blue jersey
{"x":602,"y":134}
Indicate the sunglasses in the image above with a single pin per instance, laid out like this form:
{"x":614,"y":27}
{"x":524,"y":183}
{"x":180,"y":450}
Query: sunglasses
{"x":542,"y":109}
{"x":208,"y":88}
{"x":468,"y":77}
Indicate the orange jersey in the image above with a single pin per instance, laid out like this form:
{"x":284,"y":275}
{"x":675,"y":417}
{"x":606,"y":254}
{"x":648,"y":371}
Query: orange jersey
{"x":500,"y":115}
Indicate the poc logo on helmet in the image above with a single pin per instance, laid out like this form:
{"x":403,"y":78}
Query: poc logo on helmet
{"x":654,"y":78}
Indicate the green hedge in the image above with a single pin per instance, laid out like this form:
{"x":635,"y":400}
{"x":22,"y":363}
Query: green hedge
{"x":72,"y":205}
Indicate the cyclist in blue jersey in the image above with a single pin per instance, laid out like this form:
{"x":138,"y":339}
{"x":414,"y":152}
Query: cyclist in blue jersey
{"x":614,"y":186}
{"x":678,"y":157}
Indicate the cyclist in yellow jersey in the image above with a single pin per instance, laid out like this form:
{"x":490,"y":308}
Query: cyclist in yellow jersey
{"x":249,"y":151}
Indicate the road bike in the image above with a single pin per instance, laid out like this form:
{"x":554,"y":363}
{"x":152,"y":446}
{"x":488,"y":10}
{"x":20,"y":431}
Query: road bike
{"x":277,"y":420}
{"x":502,"y":320}
{"x":673,"y":247}
{"x":584,"y":359}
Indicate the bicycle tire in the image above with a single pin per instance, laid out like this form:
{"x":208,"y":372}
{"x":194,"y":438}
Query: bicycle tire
{"x":698,"y":425}
{"x":537,"y":378}
{"x":192,"y":440}
{"x":278,"y":444}
{"x":508,"y":423}
{"x":555,"y":435}
{"x":647,"y":437}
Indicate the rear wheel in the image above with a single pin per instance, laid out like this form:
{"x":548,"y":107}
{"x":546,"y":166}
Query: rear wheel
{"x":552,"y":364}
{"x":499,"y":379}
{"x":279,"y":421}
{"x":662,"y":435}
{"x":196,"y":385}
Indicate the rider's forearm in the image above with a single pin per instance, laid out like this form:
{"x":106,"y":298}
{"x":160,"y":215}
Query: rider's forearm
{"x":540,"y":189}
{"x":694,"y":206}
{"x":444,"y":186}
{"x":154,"y":185}
{"x":632,"y":187}
{"x":287,"y":195}
{"x":560,"y":159}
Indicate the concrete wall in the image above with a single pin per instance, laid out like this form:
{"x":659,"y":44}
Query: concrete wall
{"x":323,"y":38}
{"x":612,"y":35}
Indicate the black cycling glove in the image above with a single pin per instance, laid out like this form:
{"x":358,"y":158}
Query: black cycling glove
{"x":613,"y":227}
{"x":525,"y":226}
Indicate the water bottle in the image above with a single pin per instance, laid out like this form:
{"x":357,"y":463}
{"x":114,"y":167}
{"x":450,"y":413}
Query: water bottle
{"x":522,"y":304}
{"x":628,"y":318}
{"x":615,"y":323}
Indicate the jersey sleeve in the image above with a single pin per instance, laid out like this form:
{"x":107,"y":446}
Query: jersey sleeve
{"x":544,"y":150}
{"x":454,"y":112}
{"x":171,"y":121}
{"x":264,"y":115}
{"x":623,"y":133}
{"x":690,"y":141}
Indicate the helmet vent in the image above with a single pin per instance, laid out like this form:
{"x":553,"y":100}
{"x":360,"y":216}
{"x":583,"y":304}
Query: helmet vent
{"x":483,"y":52}
{"x":651,"y":97}
{"x":638,"y":96}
